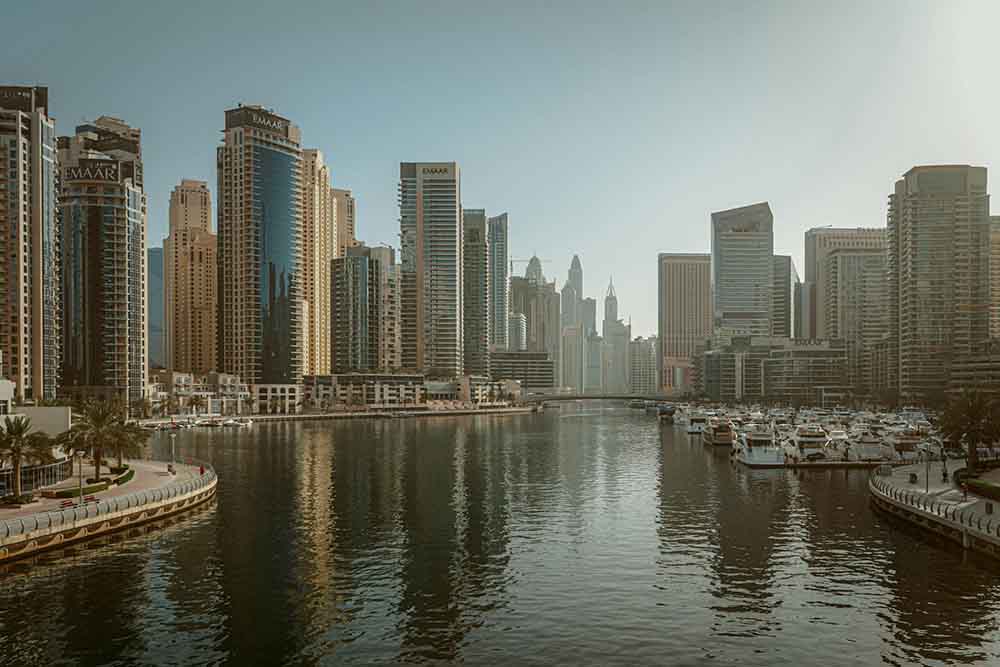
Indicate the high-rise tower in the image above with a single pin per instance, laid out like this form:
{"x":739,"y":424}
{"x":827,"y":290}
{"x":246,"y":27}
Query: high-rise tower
{"x":319,"y":247}
{"x":499,"y":298}
{"x":476,"y":290}
{"x":29,"y":240}
{"x":938,"y":263}
{"x":430,"y":225}
{"x":685,"y":316}
{"x":103,"y":219}
{"x":190,"y":281}
{"x":742,"y":269}
{"x":260,"y":247}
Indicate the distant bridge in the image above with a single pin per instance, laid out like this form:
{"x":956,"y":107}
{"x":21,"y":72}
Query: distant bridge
{"x":552,"y":398}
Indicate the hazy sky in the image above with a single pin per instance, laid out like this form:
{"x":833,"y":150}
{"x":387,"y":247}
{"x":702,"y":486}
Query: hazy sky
{"x":608,"y":130}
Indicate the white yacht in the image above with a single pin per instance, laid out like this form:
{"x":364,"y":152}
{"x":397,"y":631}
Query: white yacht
{"x":696,"y":422}
{"x":808,"y":443}
{"x":719,"y":432}
{"x":869,"y":447}
{"x":756,"y":448}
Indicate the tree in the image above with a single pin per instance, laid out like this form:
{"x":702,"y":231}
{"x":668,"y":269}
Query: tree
{"x":129,"y":441}
{"x":19,"y":443}
{"x":97,"y":427}
{"x":143,"y":407}
{"x":971,"y":418}
{"x":249,"y":402}
{"x":196,"y":401}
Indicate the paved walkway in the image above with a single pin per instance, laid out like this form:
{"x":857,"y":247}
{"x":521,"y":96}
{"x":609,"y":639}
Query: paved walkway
{"x":148,"y":475}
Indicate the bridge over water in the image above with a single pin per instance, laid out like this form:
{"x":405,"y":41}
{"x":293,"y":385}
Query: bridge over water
{"x":552,"y":398}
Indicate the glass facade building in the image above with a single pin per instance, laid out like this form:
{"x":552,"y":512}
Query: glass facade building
{"x":103,"y":221}
{"x":259,"y":229}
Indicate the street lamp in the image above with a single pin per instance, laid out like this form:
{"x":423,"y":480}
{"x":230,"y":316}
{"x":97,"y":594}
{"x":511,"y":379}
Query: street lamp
{"x":173,"y":438}
{"x":79,"y":457}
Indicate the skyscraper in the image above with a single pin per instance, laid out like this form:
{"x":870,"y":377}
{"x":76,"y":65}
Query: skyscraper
{"x":29,"y":226}
{"x":742,"y":269}
{"x":938,"y":264}
{"x":430,"y":220}
{"x":570,"y":299}
{"x":857,"y":304}
{"x":103,"y":218}
{"x":783,"y":296}
{"x":617,"y":334}
{"x":642,"y":360}
{"x":517,"y":332}
{"x":344,"y":216}
{"x":260,"y":247}
{"x":157,"y":309}
{"x":588,"y":315}
{"x":995,"y":276}
{"x":819,"y":243}
{"x":319,"y":247}
{"x":365,"y":314}
{"x":685,"y":316}
{"x":476,"y":288}
{"x":499,"y":298}
{"x":576,"y":277}
{"x":539,"y":302}
{"x":190,"y":281}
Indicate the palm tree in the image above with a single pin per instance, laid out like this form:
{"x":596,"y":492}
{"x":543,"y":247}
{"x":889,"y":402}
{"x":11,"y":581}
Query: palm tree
{"x":97,"y":428}
{"x":196,"y":401}
{"x":142,"y":407}
{"x":129,"y":442}
{"x":19,"y":442}
{"x":970,"y":418}
{"x":249,"y":403}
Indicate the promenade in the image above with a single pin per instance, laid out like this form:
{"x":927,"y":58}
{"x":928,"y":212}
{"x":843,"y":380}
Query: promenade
{"x":149,"y":475}
{"x":936,"y":504}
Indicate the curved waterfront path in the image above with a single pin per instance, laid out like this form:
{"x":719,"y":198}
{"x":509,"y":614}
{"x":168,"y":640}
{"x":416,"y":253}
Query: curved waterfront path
{"x":153,"y":493}
{"x":934,"y":503}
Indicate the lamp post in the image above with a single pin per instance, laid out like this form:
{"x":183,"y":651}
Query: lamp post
{"x":173,"y":438}
{"x":79,"y":457}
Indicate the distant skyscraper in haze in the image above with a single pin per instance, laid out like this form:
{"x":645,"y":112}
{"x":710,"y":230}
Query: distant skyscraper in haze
{"x":344,"y":219}
{"x":617,"y":335}
{"x":588,"y":315}
{"x":103,"y":216}
{"x":534,"y":271}
{"x":499,"y":298}
{"x":29,"y":222}
{"x":260,"y":247}
{"x":642,"y":360}
{"x":684,"y":315}
{"x":155,"y":316}
{"x":857,"y":304}
{"x":539,"y":302}
{"x":430,"y":213}
{"x":319,"y":247}
{"x":573,"y":350}
{"x":517,"y":332}
{"x":570,"y":299}
{"x":939,"y":283}
{"x":476,"y":292}
{"x":742,"y":269}
{"x":783,"y":296}
{"x":576,"y":276}
{"x":819,"y":243}
{"x":190,"y":281}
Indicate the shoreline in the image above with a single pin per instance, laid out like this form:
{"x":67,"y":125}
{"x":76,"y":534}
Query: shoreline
{"x":306,"y":416}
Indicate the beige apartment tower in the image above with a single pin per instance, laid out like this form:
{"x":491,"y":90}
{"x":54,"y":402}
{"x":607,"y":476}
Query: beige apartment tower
{"x":344,"y":214}
{"x":995,"y":276}
{"x":685,"y":316}
{"x":938,"y":263}
{"x":319,"y":247}
{"x":29,"y":243}
{"x":190,"y":281}
{"x":820,"y":242}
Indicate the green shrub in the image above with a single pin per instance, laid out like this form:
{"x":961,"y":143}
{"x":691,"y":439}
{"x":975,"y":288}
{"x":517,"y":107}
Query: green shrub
{"x":95,"y":480}
{"x":127,"y":477}
{"x":118,"y":471}
{"x":87,"y":490}
{"x":22,"y":499}
{"x":984,"y":489}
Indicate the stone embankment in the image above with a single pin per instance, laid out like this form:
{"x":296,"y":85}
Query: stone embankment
{"x":152,"y":496}
{"x":929,"y":500}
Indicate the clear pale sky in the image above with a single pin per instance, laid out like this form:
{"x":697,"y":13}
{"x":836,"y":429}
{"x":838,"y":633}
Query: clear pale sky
{"x":609,"y":130}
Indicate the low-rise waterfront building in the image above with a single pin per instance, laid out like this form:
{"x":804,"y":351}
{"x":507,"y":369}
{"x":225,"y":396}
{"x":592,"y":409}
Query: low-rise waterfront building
{"x":369,"y":390}
{"x":277,"y":399}
{"x":534,"y":370}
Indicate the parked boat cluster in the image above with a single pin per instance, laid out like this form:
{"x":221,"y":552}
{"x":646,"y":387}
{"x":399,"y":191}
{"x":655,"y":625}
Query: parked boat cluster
{"x":785,"y":437}
{"x":198,"y":423}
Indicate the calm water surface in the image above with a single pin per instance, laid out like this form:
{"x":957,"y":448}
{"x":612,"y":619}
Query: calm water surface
{"x":580,"y":536}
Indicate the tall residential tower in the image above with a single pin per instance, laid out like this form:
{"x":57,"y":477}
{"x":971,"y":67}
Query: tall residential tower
{"x":260,"y":247}
{"x":499,"y":299}
{"x":685,"y":316}
{"x":743,"y":269}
